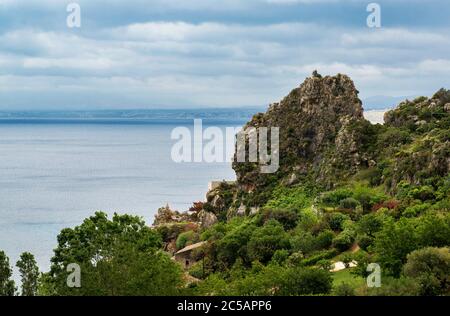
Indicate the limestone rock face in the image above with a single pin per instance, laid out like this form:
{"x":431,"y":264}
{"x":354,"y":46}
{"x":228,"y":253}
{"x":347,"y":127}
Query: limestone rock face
{"x":207,"y":219}
{"x":316,"y":123}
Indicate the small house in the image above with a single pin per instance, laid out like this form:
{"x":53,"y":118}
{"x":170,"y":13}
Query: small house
{"x":184,"y":256}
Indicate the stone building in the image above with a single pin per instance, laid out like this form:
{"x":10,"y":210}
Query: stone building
{"x":184,"y":256}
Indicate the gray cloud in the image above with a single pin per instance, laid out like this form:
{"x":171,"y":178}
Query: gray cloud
{"x":177,"y":63}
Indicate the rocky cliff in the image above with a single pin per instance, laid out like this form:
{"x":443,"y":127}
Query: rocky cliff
{"x":320,"y":136}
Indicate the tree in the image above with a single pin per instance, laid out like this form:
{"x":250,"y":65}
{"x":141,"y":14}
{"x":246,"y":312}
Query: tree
{"x":394,"y":242}
{"x":29,"y":273}
{"x":370,"y":224}
{"x":431,"y":267}
{"x":7,"y":286}
{"x":266,"y":240}
{"x":117,"y":257}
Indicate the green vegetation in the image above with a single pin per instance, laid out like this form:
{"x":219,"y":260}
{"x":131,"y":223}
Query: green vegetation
{"x":346,"y":191}
{"x":30,"y":274}
{"x":7,"y":286}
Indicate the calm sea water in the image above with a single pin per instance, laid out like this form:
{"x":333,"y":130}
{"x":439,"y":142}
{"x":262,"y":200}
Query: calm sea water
{"x":53,"y":174}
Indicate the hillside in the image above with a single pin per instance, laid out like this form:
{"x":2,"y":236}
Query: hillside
{"x":346,"y":190}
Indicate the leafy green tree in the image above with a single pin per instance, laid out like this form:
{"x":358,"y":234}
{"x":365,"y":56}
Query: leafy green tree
{"x":266,"y":240}
{"x":117,"y":257}
{"x":434,"y":230}
{"x":29,"y":273}
{"x":370,"y":224}
{"x":7,"y":286}
{"x":431,"y":267}
{"x":234,"y":244}
{"x":394,"y":242}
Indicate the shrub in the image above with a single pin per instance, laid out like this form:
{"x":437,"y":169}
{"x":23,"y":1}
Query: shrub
{"x":185,"y":239}
{"x":196,"y":270}
{"x":303,"y":241}
{"x":334,"y":197}
{"x":415,"y":210}
{"x":318,"y":256}
{"x":288,"y":218}
{"x":395,"y":287}
{"x":324,"y":239}
{"x":335,"y":220}
{"x":364,"y":241}
{"x":343,"y":241}
{"x":295,"y":259}
{"x":280,"y":256}
{"x":299,"y":281}
{"x":348,"y":203}
{"x":344,"y":289}
{"x":431,"y":267}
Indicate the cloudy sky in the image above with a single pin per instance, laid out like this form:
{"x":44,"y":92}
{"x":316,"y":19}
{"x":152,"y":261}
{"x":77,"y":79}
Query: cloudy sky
{"x":214,"y":53}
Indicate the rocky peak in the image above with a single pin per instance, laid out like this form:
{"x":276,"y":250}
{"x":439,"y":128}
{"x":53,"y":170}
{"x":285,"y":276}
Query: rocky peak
{"x":315,"y":119}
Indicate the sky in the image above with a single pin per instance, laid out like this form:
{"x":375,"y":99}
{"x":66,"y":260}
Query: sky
{"x":138,"y":54}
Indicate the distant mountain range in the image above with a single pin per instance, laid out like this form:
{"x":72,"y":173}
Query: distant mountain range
{"x":234,"y":114}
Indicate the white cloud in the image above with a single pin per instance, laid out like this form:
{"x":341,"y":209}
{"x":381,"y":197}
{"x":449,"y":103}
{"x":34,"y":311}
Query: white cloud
{"x":215,"y":64}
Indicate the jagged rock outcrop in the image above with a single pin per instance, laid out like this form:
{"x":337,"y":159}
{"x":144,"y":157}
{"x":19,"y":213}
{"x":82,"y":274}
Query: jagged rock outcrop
{"x":319,"y":123}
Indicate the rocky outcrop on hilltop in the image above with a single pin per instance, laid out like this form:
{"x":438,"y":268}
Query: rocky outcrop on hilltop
{"x":325,"y":142}
{"x":320,"y":124}
{"x":421,"y":129}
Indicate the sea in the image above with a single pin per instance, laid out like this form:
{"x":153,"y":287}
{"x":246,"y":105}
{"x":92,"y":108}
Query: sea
{"x":58,"y":168}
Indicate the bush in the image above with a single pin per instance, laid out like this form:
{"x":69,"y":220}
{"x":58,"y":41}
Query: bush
{"x":334,"y":197}
{"x":343,"y":241}
{"x":324,"y":239}
{"x":344,"y":289}
{"x":295,"y":259}
{"x":415,"y":210}
{"x":288,"y":218}
{"x":311,"y":281}
{"x":303,"y":241}
{"x":335,"y":220}
{"x":348,"y":203}
{"x":395,"y":287}
{"x":196,"y":270}
{"x":318,"y":256}
{"x":431,"y":267}
{"x":280,"y":256}
{"x":364,"y":241}
{"x":185,"y":239}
